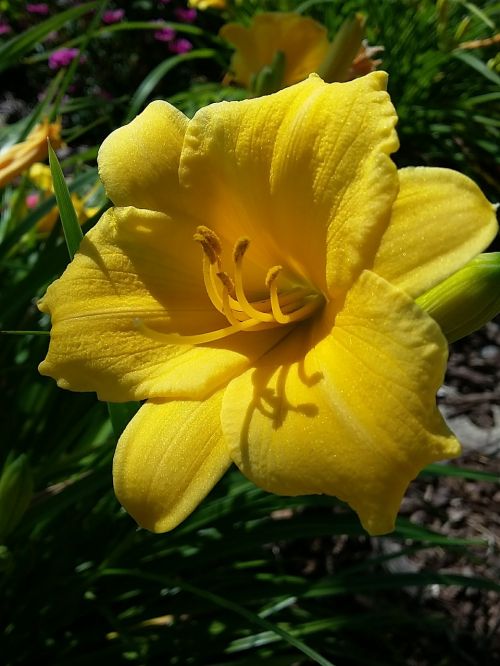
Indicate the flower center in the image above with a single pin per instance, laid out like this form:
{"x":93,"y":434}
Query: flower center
{"x":228,"y":296}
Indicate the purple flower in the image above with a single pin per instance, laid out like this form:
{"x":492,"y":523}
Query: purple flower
{"x":32,"y":200}
{"x":164,"y":34}
{"x":180,"y":45}
{"x":62,"y":58}
{"x":40,"y":8}
{"x":4,"y":28}
{"x":113,"y":16}
{"x":185,"y":14}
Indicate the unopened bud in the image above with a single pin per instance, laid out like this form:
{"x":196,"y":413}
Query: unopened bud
{"x":343,"y":49}
{"x":466,"y":300}
{"x":270,"y":78}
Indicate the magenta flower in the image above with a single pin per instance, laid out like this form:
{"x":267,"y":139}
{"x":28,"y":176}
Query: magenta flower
{"x":180,"y":45}
{"x":32,"y":200}
{"x":185,"y":14}
{"x":5,"y":28}
{"x":40,"y":8}
{"x":62,"y":58}
{"x":113,"y":16}
{"x":164,"y":34}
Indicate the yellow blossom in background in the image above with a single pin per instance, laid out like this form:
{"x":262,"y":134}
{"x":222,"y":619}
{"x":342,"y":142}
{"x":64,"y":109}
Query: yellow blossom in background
{"x":40,"y":175}
{"x":208,"y":4}
{"x":302,"y":40}
{"x":19,"y":157}
{"x":255,"y":284}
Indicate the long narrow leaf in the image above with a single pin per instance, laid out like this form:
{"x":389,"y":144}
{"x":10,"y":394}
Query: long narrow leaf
{"x":72,"y":230}
{"x":156,"y":75}
{"x":222,"y":602}
{"x":478,"y":65}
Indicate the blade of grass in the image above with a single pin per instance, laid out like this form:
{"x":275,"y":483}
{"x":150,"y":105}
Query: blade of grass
{"x":451,"y":470}
{"x":478,"y":65}
{"x":222,"y":602}
{"x":156,"y":75}
{"x":71,"y":227}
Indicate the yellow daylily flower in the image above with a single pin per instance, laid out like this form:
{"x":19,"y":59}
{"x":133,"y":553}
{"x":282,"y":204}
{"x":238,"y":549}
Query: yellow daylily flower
{"x":41,"y":176}
{"x":255,"y":283}
{"x":302,"y":40}
{"x":19,"y":157}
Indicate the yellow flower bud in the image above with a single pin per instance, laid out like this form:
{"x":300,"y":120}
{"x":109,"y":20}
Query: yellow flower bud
{"x":468,"y":299}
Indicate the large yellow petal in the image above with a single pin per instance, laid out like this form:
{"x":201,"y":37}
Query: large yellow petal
{"x":138,"y":268}
{"x":138,"y":163}
{"x":440,"y":221}
{"x":303,"y":41}
{"x":168,"y":459}
{"x":345,"y":408}
{"x":304,"y":173}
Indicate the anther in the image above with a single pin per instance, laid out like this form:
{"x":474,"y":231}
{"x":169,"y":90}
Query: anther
{"x":272,"y":274}
{"x":240,"y":248}
{"x":210,"y":243}
{"x":227,"y":283}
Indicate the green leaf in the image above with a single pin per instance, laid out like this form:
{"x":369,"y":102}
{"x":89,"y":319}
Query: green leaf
{"x":155,"y":76}
{"x":71,"y":227}
{"x":222,"y":602}
{"x":451,"y":470}
{"x":478,"y":65}
{"x":120,"y":414}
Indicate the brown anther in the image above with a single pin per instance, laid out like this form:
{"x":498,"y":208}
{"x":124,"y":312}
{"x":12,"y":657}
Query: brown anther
{"x":211,"y":237}
{"x":272,"y":274}
{"x":207,"y":248}
{"x":240,"y":248}
{"x":227,"y":282}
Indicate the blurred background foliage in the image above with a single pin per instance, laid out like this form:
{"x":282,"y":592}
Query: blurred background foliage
{"x":249,"y":576}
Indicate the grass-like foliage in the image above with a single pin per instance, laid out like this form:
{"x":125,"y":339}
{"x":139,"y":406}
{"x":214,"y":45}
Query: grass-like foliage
{"x":249,"y":577}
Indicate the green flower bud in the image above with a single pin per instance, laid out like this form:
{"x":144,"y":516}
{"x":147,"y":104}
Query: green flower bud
{"x":270,"y":77}
{"x":343,"y":49}
{"x":468,"y":299}
{"x":16,"y":490}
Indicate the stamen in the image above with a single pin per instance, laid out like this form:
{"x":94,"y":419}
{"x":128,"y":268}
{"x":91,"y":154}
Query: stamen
{"x":294,"y":315}
{"x":227,"y":288}
{"x":238,"y":253}
{"x":228,"y":297}
{"x":211,"y":246}
{"x":271,"y":276}
{"x":203,"y":338}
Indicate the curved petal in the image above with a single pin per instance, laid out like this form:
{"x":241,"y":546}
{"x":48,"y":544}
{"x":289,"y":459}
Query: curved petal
{"x":168,"y":459}
{"x":138,"y":163}
{"x":347,"y":410}
{"x":303,"y":41}
{"x":304,"y":173}
{"x":137,"y":269}
{"x":440,"y":221}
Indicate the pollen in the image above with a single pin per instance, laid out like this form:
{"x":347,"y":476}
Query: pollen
{"x":228,"y":295}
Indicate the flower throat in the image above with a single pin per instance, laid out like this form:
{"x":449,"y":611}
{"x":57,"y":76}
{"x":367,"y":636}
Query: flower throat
{"x":228,"y":296}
